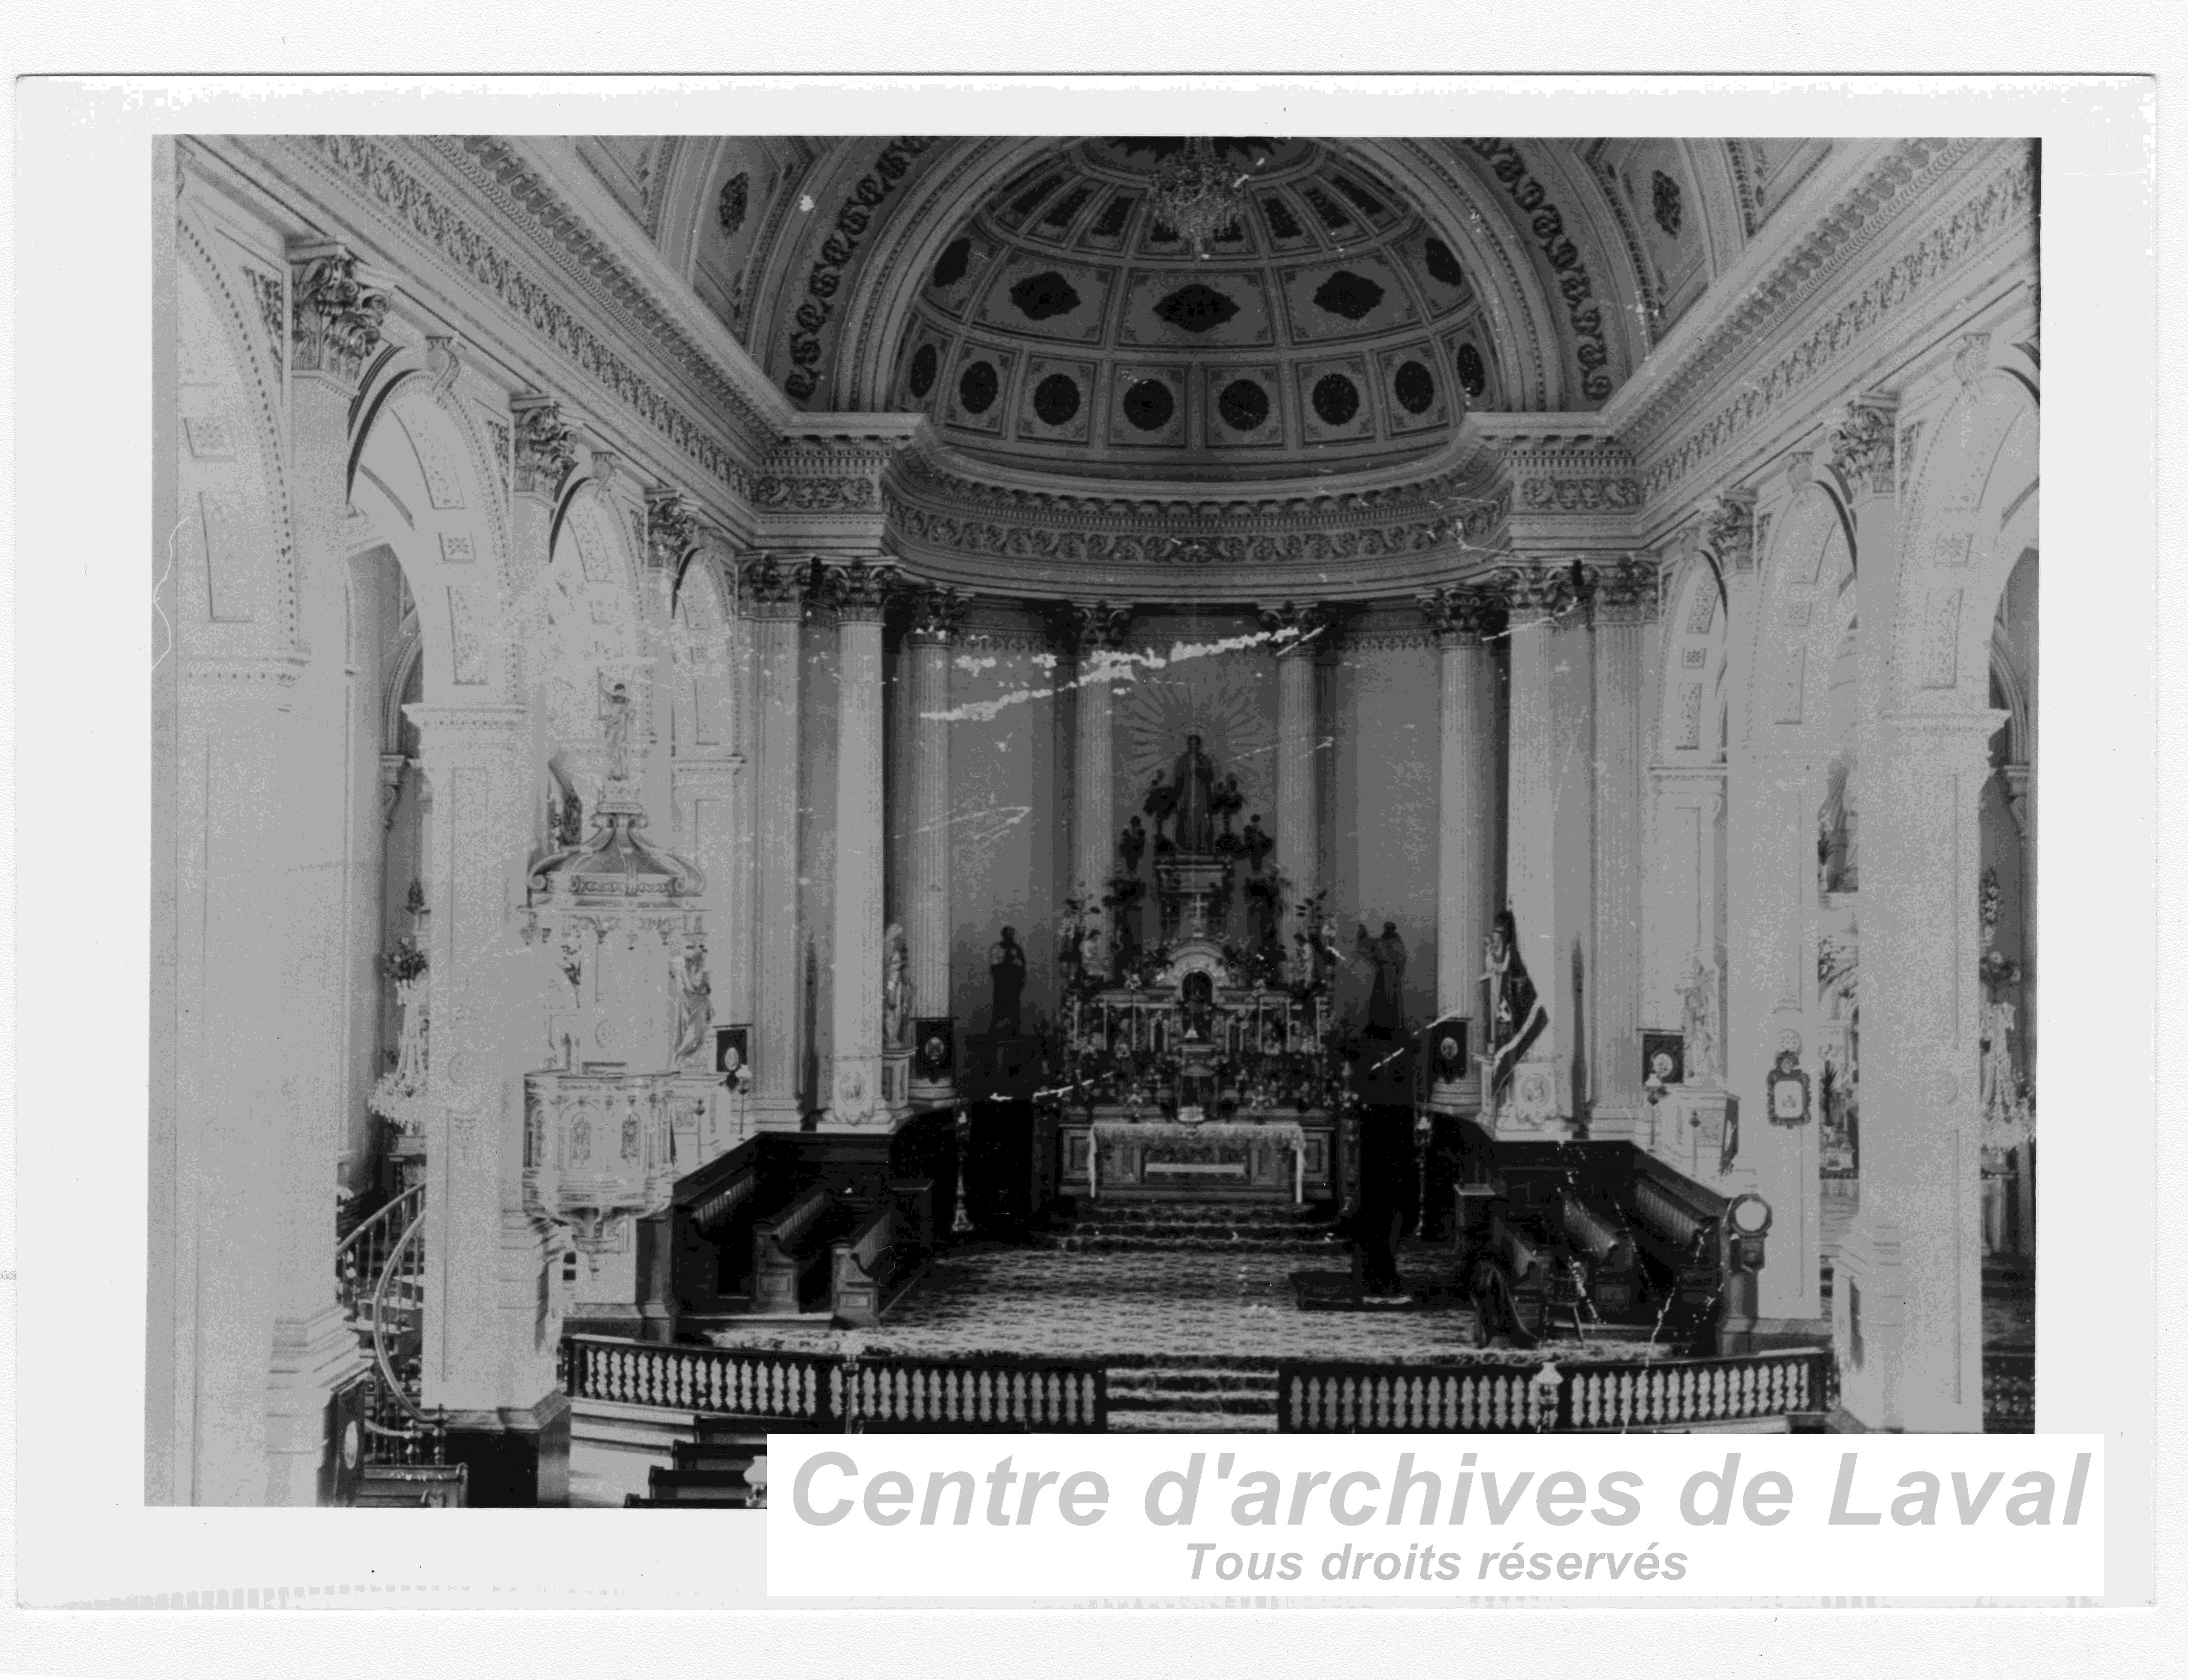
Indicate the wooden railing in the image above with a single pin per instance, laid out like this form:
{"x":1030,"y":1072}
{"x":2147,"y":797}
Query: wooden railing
{"x":827,"y":1392}
{"x":362,"y":1255}
{"x":1320,"y":1397}
{"x":2009,"y":1378}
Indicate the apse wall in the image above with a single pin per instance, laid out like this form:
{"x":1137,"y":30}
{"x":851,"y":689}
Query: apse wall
{"x":1383,"y":813}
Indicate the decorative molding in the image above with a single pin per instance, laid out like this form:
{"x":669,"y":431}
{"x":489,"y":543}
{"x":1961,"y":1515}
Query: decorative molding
{"x":809,"y":320}
{"x":1579,"y":495}
{"x":335,"y":314}
{"x":273,"y":311}
{"x":444,"y":361}
{"x":1591,"y":353}
{"x":1859,"y":445}
{"x":372,"y":168}
{"x":2004,"y":201}
{"x":1971,"y":361}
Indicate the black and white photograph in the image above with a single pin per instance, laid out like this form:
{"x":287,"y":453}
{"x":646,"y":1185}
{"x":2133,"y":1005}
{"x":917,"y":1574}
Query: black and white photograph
{"x":1129,"y":783}
{"x":838,"y":808}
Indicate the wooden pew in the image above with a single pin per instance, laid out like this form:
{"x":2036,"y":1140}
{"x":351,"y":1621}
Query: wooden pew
{"x":788,"y":1247}
{"x":1607,"y":1252}
{"x":881,"y":1253}
{"x":1679,"y":1227}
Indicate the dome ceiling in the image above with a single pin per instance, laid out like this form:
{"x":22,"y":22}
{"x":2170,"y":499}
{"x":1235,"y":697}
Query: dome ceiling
{"x":1064,"y":326}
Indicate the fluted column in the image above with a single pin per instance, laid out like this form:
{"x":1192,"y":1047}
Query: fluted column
{"x":937,"y":614}
{"x":1097,"y":631}
{"x":1302,"y":631}
{"x":1461,"y":620}
{"x":1549,"y":861}
{"x":858,"y":594}
{"x":1625,"y":643}
{"x":774,"y":594}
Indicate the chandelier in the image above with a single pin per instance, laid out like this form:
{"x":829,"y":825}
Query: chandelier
{"x":1196,"y":196}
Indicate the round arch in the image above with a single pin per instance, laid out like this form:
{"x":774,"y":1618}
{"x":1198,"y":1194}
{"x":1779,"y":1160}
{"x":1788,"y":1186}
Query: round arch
{"x":1691,"y":689}
{"x":1801,"y":620}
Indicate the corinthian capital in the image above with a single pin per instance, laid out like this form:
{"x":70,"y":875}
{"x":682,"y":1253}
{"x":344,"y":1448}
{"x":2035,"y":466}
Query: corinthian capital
{"x":1727,"y":530}
{"x":938,"y":613}
{"x":335,"y":313}
{"x":1857,"y":444}
{"x":1548,"y":590}
{"x":1298,"y":620}
{"x":546,"y":447}
{"x":1461,"y":615}
{"x":672,"y":528}
{"x":1625,"y":588}
{"x":773,"y":586}
{"x":858,"y":591}
{"x":1096,"y":627}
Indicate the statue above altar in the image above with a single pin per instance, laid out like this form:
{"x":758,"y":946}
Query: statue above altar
{"x":1191,"y":801}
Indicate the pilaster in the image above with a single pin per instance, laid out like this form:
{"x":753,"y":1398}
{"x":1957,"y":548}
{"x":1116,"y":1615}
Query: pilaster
{"x":938,"y":614}
{"x":774,"y":591}
{"x":1308,"y":629}
{"x":1097,"y":634}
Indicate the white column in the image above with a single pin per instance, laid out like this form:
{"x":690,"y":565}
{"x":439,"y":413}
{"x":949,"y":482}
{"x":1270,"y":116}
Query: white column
{"x":303,"y":1018}
{"x":1549,"y":853}
{"x":1467,"y":817}
{"x":858,"y":594}
{"x":1097,"y":629}
{"x":936,"y":615}
{"x":774,"y":599}
{"x":1298,"y":741}
{"x":1625,"y":644}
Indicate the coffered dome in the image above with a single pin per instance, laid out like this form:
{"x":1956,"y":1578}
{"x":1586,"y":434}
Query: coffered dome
{"x":1064,"y":326}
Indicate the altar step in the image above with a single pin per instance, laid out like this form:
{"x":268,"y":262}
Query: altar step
{"x":1240,"y":1227}
{"x":1158,"y":1397}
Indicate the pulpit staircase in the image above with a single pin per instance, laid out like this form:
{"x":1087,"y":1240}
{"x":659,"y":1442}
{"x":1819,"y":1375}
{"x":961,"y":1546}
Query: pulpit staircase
{"x":380,"y":1272}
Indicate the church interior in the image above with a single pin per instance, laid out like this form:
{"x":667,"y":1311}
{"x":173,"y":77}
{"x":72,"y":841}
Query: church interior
{"x":1075,"y":783}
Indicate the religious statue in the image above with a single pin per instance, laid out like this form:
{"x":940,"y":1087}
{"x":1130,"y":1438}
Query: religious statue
{"x":896,"y":990}
{"x":1386,"y":1013}
{"x":1007,"y":969}
{"x":1229,"y":801}
{"x":695,"y":1012}
{"x":1257,"y":842}
{"x":616,"y":730}
{"x":1161,"y":804}
{"x":1132,"y":844}
{"x":1698,"y":1020}
{"x":1193,"y":788}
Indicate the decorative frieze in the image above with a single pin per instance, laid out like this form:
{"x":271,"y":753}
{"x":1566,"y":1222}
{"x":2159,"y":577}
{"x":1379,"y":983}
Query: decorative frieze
{"x":1591,"y":353}
{"x":334,"y":313}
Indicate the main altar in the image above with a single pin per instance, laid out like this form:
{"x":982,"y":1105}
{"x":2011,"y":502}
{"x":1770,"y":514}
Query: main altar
{"x":1198,"y":1055}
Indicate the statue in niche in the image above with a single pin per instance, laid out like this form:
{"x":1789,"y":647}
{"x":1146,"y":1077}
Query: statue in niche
{"x":616,"y":730}
{"x":1132,"y":845}
{"x":1161,"y":804}
{"x":1386,"y":1008}
{"x":1227,"y":803}
{"x":1698,"y":1020}
{"x":1194,"y":787}
{"x":1257,"y":842}
{"x":695,"y":1012}
{"x":896,"y":988}
{"x":1006,"y":971}
{"x":1198,"y":996}
{"x":1838,"y":853}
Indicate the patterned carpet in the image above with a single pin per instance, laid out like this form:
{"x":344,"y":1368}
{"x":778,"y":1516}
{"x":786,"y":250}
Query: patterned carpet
{"x":1189,"y":1306}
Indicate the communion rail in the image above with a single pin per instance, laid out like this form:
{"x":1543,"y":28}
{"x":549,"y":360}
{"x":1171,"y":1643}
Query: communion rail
{"x":1324,"y":1397}
{"x":828,"y":1392}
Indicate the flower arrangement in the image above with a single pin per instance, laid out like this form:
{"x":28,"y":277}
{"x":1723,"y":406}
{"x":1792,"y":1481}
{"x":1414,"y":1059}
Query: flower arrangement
{"x":405,"y":963}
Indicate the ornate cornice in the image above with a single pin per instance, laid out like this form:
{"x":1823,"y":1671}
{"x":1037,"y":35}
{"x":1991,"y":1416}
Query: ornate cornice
{"x":334,"y":312}
{"x":1857,"y":444}
{"x":582,"y":263}
{"x":2002,"y":202}
{"x":546,"y":446}
{"x":1557,"y":473}
{"x":1456,"y":616}
{"x":938,"y":613}
{"x":825,"y":475}
{"x":929,"y":502}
